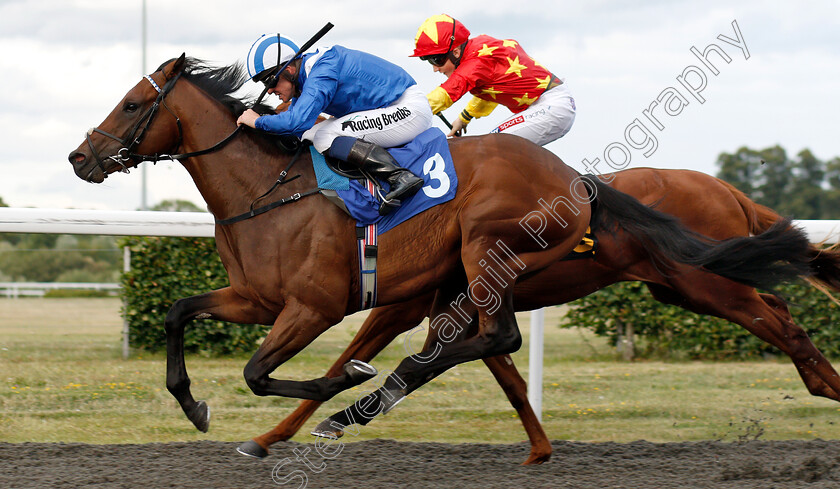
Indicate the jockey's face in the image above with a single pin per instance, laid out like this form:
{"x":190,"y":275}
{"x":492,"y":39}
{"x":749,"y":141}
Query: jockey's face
{"x":284,"y":88}
{"x":449,"y":67}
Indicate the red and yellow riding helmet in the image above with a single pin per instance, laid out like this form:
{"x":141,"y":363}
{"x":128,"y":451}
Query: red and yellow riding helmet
{"x":438,"y":35}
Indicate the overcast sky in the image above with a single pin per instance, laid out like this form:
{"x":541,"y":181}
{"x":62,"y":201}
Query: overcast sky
{"x":66,"y":64}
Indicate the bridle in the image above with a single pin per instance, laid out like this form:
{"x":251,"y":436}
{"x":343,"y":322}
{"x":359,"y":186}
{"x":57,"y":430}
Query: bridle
{"x":136,"y":134}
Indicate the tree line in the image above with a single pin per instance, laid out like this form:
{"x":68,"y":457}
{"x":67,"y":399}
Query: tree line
{"x":803,"y":187}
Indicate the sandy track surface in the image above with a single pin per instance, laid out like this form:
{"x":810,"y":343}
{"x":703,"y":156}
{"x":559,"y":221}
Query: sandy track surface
{"x":387,"y":464}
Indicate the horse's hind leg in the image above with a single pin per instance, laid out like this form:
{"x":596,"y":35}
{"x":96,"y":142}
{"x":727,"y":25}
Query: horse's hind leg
{"x":497,"y":334}
{"x":224,"y":305}
{"x":513,"y":385}
{"x":778,"y":329}
{"x":382,"y":325}
{"x":815,"y":384}
{"x":764,"y":316}
{"x":517,"y":393}
{"x":501,"y":366}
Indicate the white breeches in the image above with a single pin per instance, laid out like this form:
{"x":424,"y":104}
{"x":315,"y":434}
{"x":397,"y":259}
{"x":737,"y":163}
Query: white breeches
{"x":390,"y":126}
{"x":547,"y":119}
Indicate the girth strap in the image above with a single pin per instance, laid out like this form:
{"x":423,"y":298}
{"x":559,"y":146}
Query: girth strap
{"x":266,"y":208}
{"x":366,"y":237}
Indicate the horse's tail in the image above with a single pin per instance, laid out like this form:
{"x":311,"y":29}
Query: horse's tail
{"x":824,"y":264}
{"x":778,"y":254}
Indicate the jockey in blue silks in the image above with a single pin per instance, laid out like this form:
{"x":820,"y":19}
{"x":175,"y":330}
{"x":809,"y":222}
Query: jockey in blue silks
{"x":374,"y":105}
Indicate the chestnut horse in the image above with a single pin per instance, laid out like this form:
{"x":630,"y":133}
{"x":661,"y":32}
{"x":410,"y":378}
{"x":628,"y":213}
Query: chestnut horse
{"x":704,"y":204}
{"x":296,"y":269}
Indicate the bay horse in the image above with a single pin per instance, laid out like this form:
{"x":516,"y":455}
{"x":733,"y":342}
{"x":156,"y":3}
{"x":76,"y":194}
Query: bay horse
{"x":296,"y":269}
{"x":704,"y":204}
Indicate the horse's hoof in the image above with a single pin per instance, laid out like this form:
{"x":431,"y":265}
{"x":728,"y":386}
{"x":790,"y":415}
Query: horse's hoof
{"x":537,"y":458}
{"x":327,"y":429}
{"x":200,"y":416}
{"x":252,"y":449}
{"x":359,"y":372}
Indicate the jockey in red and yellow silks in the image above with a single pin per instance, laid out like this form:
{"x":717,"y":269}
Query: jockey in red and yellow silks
{"x":495,"y":72}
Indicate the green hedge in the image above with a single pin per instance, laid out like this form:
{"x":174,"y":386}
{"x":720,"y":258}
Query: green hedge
{"x":166,"y":269}
{"x":666,"y":331}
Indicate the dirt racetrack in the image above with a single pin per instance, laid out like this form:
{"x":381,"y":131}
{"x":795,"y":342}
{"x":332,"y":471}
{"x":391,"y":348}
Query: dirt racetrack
{"x":391,"y":464}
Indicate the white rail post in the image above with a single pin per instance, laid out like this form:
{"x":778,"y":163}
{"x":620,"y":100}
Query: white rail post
{"x":126,"y":268}
{"x":535,"y":362}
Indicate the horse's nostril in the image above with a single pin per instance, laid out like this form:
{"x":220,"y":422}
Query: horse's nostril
{"x":76,"y":158}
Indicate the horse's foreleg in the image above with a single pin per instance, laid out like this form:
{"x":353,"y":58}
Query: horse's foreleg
{"x":516,"y":391}
{"x":295,"y":328}
{"x":224,"y":305}
{"x":382,"y":325}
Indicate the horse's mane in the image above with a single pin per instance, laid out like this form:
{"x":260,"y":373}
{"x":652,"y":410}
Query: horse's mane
{"x":220,"y":83}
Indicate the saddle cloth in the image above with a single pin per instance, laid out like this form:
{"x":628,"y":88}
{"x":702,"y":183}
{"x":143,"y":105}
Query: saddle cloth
{"x":427,"y":156}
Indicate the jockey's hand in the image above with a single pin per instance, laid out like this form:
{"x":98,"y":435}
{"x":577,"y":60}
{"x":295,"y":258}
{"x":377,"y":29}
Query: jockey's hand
{"x":459,"y":127}
{"x":248,"y":118}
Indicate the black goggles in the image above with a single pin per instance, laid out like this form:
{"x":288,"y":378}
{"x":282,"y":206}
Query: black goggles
{"x":271,"y":78}
{"x":436,"y":59}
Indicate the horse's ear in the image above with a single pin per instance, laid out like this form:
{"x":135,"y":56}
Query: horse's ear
{"x":177,"y":67}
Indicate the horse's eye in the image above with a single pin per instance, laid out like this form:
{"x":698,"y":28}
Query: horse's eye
{"x":131,"y":107}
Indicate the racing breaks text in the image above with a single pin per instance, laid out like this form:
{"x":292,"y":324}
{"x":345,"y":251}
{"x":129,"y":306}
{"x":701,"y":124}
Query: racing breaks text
{"x":366,"y":123}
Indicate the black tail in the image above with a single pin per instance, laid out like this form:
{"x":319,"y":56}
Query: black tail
{"x":825,"y":265}
{"x":779,"y":254}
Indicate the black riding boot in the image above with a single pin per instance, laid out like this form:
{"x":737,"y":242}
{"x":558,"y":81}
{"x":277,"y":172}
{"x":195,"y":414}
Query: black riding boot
{"x":373,"y":159}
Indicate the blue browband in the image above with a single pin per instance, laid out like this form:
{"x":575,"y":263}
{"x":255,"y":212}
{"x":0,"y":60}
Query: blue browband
{"x":148,"y":77}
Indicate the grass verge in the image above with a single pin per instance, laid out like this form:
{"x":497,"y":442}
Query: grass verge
{"x":62,"y":379}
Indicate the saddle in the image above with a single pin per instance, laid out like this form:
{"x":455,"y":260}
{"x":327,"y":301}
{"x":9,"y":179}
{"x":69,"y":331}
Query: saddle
{"x":345,"y":169}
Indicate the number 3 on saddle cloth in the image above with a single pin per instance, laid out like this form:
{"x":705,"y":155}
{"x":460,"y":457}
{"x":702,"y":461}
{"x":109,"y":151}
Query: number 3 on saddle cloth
{"x":428,"y":157}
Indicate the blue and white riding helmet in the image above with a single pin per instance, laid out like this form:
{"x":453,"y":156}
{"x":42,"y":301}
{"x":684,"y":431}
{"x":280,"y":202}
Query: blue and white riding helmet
{"x":263,"y":54}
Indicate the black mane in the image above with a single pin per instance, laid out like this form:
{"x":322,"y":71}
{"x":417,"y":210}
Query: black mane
{"x":220,"y":83}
